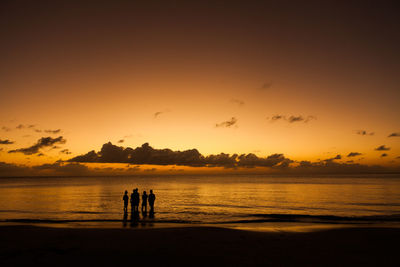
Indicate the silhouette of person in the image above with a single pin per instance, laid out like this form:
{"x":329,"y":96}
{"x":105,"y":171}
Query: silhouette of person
{"x":144,"y":201}
{"x":136,"y":200}
{"x":126,"y":200}
{"x":132,"y":200}
{"x":152,"y":198}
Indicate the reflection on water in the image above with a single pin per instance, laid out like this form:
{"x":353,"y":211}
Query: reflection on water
{"x":198,"y":198}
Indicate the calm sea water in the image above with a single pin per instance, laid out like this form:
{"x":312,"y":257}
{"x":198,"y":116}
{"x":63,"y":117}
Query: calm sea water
{"x":204,"y":199}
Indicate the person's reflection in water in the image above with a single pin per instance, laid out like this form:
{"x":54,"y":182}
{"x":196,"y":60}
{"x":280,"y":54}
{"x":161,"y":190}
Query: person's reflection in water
{"x":125,"y":219}
{"x":134,"y":218}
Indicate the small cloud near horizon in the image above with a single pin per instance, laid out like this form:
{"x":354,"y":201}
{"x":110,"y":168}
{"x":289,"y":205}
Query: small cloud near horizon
{"x":382,"y":148}
{"x":158,"y":113}
{"x":394,"y":135}
{"x":6,"y":142}
{"x":292,"y":118}
{"x":364,"y":132}
{"x":66,"y":151}
{"x":53,"y":131}
{"x":384,"y":155}
{"x":354,"y":154}
{"x":6,"y":129}
{"x":121,"y":141}
{"x":227,"y":123}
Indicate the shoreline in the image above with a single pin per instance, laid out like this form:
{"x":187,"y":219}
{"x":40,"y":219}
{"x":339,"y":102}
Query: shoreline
{"x":197,"y":245}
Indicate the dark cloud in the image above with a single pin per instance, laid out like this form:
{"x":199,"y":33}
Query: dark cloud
{"x":40,"y":155}
{"x":384,"y":155}
{"x":292,"y":119}
{"x":364,"y":132}
{"x":354,"y":154}
{"x":38,"y":131}
{"x":6,"y":129}
{"x":277,"y":117}
{"x":227,"y":123}
{"x":53,"y":131}
{"x":20,"y":127}
{"x":145,"y":154}
{"x":6,"y":142}
{"x":382,"y":148}
{"x":337,"y":157}
{"x":66,"y":151}
{"x":237,"y":101}
{"x":121,"y":141}
{"x":394,"y":135}
{"x":41,"y":143}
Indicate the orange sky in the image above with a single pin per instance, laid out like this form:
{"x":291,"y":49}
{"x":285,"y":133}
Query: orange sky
{"x":101,"y":71}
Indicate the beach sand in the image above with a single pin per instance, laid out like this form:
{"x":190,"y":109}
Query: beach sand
{"x":199,"y":246}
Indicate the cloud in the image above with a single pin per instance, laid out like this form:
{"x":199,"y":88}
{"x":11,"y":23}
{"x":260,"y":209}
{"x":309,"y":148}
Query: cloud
{"x":277,"y":117}
{"x":6,"y":129}
{"x":292,"y":118}
{"x":394,"y":135}
{"x":158,"y":113}
{"x":237,"y":101}
{"x":53,"y":131}
{"x":40,"y":155}
{"x":41,"y":143}
{"x":227,"y":123}
{"x":354,"y":154}
{"x":66,"y":151}
{"x":382,"y":148}
{"x":337,"y":157}
{"x":266,"y":86}
{"x":145,"y":154}
{"x":384,"y":155}
{"x":37,"y":130}
{"x":20,"y":127}
{"x":6,"y":142}
{"x":364,"y":132}
{"x":121,"y":141}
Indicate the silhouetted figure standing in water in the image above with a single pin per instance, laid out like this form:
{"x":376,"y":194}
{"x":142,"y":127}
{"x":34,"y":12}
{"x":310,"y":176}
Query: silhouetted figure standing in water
{"x":152,"y":198}
{"x":144,"y":201}
{"x":136,"y":200}
{"x":132,"y":202}
{"x":126,"y":200}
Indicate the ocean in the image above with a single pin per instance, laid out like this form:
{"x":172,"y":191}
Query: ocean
{"x":216,"y":200}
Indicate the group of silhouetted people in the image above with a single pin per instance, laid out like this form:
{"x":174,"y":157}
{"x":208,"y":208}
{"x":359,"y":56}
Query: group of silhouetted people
{"x":135,"y":201}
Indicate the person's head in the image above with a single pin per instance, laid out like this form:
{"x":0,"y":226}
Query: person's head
{"x":151,"y":191}
{"x":144,"y":192}
{"x":126,"y":192}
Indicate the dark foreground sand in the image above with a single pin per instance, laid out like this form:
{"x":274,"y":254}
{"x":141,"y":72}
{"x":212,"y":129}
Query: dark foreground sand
{"x":200,"y":246}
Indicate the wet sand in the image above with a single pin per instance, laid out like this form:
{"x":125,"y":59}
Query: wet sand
{"x":199,"y":246}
